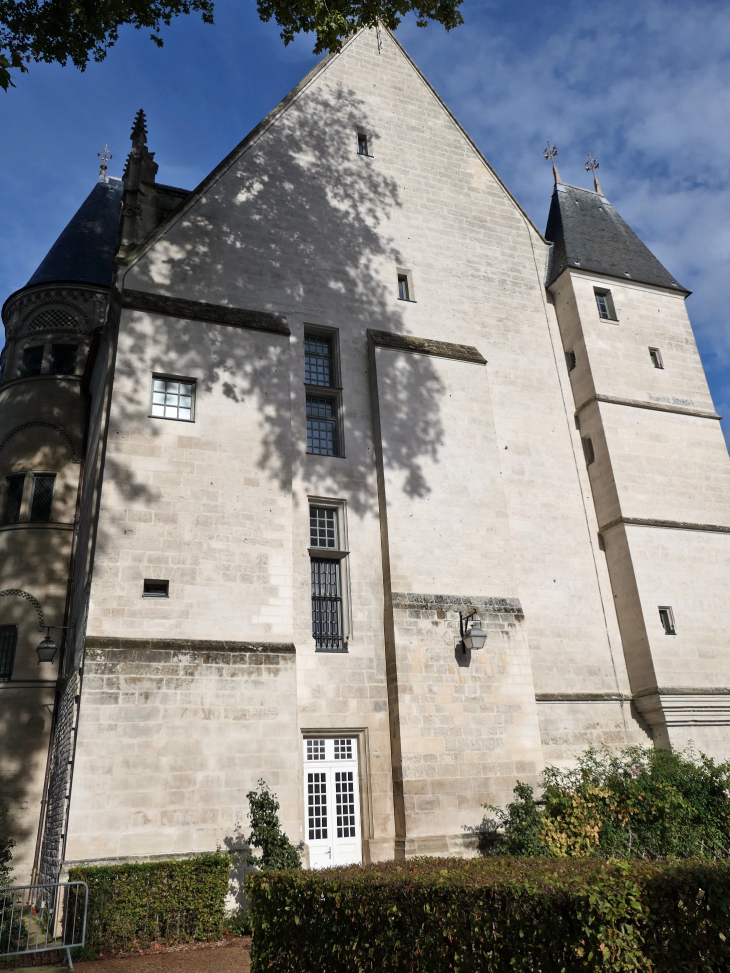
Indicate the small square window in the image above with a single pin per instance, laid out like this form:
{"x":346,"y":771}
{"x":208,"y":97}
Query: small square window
{"x":321,"y":426}
{"x":13,"y":497}
{"x":8,"y":641}
{"x":588,"y":451}
{"x":173,"y":399}
{"x":31,"y":361}
{"x":656,"y":358}
{"x":667,"y":618}
{"x":604,"y":301}
{"x":155,"y":588}
{"x":315,"y":749}
{"x":362,"y":143}
{"x":570,"y":360}
{"x":343,"y":749}
{"x":323,"y":528}
{"x":403,"y":288}
{"x":41,"y":501}
{"x":63,"y":359}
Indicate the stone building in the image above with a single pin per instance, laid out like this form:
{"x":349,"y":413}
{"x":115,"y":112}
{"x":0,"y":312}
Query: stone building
{"x":266,"y":445}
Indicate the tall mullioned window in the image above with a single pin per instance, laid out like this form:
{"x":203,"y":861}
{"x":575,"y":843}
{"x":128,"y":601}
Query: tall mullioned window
{"x":8,"y":641}
{"x":320,"y":373}
{"x":318,"y":368}
{"x":604,"y":302}
{"x":326,"y":579}
{"x":13,"y":497}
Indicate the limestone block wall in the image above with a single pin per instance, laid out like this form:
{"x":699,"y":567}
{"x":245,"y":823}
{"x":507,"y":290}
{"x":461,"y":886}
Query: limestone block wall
{"x":171,"y":737}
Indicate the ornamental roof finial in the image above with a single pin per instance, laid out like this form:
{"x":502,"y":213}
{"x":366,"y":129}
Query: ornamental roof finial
{"x":591,"y":166}
{"x":106,"y":157}
{"x":550,"y":152}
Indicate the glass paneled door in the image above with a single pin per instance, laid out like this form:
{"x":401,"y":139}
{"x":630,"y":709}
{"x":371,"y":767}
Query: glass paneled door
{"x":332,"y":802}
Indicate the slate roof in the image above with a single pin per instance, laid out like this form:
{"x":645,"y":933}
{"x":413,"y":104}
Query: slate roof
{"x":84,"y":252}
{"x":588,"y":233}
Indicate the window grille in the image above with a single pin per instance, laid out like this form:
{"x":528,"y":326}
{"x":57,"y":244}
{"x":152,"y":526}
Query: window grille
{"x":41,"y":501}
{"x":403,"y":292}
{"x":318,"y":360}
{"x":53,"y":319}
{"x":345,"y":803}
{"x":63,"y":359}
{"x":316,"y":805}
{"x":31,"y":361}
{"x":667,"y":618}
{"x":8,"y":641}
{"x":362,"y":144}
{"x":326,"y":605}
{"x":172,"y":399}
{"x":323,"y":528}
{"x":315,"y":749}
{"x":321,"y":421}
{"x":656,"y":358}
{"x":343,"y":749}
{"x":13,"y":497}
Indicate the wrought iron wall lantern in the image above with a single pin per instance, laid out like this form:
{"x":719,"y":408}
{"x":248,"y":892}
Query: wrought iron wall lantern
{"x":474,"y":637}
{"x":47,"y":648}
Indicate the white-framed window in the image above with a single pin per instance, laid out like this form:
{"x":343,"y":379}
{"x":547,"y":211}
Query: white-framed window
{"x":173,"y":398}
{"x":656,"y":358}
{"x":604,"y":302}
{"x":667,"y":619}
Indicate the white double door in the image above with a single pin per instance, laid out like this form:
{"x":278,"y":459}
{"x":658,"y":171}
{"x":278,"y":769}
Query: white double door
{"x":332,"y":802}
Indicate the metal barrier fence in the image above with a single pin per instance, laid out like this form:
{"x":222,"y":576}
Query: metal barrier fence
{"x":43,"y":918}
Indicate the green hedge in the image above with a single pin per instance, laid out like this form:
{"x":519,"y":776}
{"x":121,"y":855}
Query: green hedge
{"x":504,"y":914}
{"x":132,"y":906}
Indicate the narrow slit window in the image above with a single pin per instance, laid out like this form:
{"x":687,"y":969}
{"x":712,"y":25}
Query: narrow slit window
{"x":604,"y":301}
{"x":326,"y":605}
{"x":318,"y":365}
{"x":362,"y":143}
{"x":13,"y":497}
{"x":588,"y":452}
{"x":656,"y":358}
{"x":8,"y":642}
{"x":156,"y":588}
{"x":41,"y":500}
{"x":173,"y":399}
{"x":31,"y":361}
{"x":570,"y":360}
{"x":403,"y":288}
{"x":667,"y":618}
{"x":321,"y":426}
{"x":63,"y":359}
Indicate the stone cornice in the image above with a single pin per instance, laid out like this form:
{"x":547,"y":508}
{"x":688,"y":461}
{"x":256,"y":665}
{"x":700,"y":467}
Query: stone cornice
{"x":410,"y":601}
{"x":426,"y":346}
{"x":105,"y":642}
{"x":606,"y":697}
{"x":176,"y":307}
{"x":667,"y":524}
{"x":644,"y":404}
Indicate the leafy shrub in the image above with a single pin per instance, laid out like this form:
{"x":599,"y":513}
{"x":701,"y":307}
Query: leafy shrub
{"x":639,"y":803}
{"x":276,"y":849}
{"x":134,"y":905}
{"x":494,"y":915}
{"x":6,"y":848}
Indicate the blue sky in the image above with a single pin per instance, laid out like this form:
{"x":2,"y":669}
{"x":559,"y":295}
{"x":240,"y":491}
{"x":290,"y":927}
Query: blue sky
{"x":644,"y":87}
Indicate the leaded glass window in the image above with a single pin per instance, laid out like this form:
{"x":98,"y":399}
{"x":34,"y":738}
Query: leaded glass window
{"x":13,"y":497}
{"x":41,"y":501}
{"x":323,"y":527}
{"x":326,"y":604}
{"x":8,"y":641}
{"x":31,"y":361}
{"x":63,"y":359}
{"x":321,"y":423}
{"x":172,"y":399}
{"x":318,"y":360}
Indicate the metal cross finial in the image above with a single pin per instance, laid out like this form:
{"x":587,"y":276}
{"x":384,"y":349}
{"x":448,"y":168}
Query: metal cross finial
{"x":107,"y":157}
{"x":591,"y":166}
{"x":550,"y":152}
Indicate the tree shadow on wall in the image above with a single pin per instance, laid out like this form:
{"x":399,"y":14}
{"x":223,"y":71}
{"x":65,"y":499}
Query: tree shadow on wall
{"x":300,"y":225}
